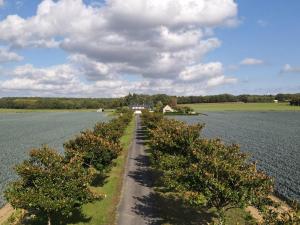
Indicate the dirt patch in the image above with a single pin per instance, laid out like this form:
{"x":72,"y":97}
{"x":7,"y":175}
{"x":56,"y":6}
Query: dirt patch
{"x":5,"y":213}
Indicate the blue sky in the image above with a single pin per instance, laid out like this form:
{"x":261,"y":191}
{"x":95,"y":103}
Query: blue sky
{"x":112,"y":48}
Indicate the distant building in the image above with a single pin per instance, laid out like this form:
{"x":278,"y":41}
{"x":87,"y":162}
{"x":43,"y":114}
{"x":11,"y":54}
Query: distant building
{"x":137,"y":112}
{"x":100,"y":110}
{"x":168,"y":108}
{"x":138,"y":107}
{"x":275,"y":101}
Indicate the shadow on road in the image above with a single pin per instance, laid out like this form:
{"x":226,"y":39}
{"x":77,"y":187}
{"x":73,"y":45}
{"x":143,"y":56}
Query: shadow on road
{"x":156,"y":208}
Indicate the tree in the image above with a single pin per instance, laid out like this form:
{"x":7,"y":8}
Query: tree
{"x":49,"y":185}
{"x":205,"y":172}
{"x":95,"y":151}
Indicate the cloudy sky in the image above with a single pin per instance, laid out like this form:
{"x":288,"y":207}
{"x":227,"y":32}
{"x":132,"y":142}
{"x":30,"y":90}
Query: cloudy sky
{"x":97,"y":48}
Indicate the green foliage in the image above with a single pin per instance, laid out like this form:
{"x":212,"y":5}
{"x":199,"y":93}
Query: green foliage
{"x":295,"y":101}
{"x":95,"y":151}
{"x":173,"y":136}
{"x":55,"y":185}
{"x":150,"y":120}
{"x":204,"y":172}
{"x":273,"y":216}
{"x":108,"y":131}
{"x":50,"y":185}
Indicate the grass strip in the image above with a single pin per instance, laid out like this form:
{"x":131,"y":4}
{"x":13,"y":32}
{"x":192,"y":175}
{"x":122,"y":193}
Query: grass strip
{"x":259,"y":107}
{"x":103,"y":212}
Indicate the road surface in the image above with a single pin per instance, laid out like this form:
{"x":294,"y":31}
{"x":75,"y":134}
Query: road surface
{"x":135,"y":207}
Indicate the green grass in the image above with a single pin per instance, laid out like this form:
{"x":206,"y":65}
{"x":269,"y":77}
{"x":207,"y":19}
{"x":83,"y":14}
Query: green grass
{"x":210,"y":107}
{"x":104,"y":211}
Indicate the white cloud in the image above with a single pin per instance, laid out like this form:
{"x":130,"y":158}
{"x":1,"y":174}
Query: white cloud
{"x":262,"y":23}
{"x":290,"y":69}
{"x":1,"y":3}
{"x":202,"y":71}
{"x":7,"y":56}
{"x":252,"y":61}
{"x":157,"y":40}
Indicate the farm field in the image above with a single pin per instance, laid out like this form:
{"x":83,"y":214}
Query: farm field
{"x":211,"y":107}
{"x":272,"y":138}
{"x":19,"y":132}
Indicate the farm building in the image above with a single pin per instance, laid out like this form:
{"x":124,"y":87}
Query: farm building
{"x":137,"y":112}
{"x":167,"y":108}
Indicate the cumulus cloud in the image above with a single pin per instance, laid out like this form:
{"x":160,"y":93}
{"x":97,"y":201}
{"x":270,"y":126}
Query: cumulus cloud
{"x":157,"y":40}
{"x":290,"y":69}
{"x":7,"y":56}
{"x":252,"y":61}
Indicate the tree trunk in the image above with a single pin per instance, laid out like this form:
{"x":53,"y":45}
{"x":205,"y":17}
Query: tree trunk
{"x":49,"y":220}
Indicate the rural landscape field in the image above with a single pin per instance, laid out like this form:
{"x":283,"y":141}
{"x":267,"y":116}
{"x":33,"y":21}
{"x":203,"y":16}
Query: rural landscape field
{"x":21,"y":132}
{"x":272,"y":139}
{"x":149,"y":112}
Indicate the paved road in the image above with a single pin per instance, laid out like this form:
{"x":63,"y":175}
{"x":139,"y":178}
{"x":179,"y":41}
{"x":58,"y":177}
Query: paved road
{"x":135,"y":207}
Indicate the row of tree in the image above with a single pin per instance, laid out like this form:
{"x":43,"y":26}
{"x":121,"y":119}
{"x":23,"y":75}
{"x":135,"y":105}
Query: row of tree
{"x":206,"y":172}
{"x":295,"y":101}
{"x":133,"y":99}
{"x":57,"y":185}
{"x":233,"y":98}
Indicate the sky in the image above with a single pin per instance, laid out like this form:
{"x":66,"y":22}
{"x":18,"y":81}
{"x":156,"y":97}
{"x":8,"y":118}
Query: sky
{"x":93,"y":48}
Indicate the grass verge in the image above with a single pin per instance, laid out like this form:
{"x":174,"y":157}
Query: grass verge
{"x":103,"y":212}
{"x":261,"y":107}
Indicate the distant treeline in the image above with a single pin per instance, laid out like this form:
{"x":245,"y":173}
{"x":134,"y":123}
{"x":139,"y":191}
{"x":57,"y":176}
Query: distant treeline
{"x":133,"y":99}
{"x":233,"y":98}
{"x":295,"y":101}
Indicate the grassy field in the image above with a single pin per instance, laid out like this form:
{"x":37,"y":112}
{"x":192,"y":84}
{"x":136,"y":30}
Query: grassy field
{"x":210,"y":107}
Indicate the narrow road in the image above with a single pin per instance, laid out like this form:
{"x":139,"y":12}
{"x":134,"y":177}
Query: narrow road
{"x":135,"y":207}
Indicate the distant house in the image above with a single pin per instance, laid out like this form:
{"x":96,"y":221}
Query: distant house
{"x":100,"y":110}
{"x":137,"y":112}
{"x":167,"y":109}
{"x":275,"y":101}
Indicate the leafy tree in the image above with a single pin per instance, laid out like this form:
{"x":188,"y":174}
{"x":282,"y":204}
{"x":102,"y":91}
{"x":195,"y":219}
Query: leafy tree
{"x":48,"y":185}
{"x":95,"y":151}
{"x":205,"y":172}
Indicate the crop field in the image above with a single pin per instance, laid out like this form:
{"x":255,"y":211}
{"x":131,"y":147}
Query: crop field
{"x":272,"y":138}
{"x":19,"y":132}
{"x":211,"y":107}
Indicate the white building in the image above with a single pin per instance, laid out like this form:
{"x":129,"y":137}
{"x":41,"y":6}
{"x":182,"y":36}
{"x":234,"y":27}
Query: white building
{"x":275,"y":101}
{"x":168,"y":108}
{"x":137,"y":112}
{"x":100,"y":110}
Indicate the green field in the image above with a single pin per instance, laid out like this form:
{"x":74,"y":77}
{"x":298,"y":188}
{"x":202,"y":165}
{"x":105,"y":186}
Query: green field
{"x":210,"y":107}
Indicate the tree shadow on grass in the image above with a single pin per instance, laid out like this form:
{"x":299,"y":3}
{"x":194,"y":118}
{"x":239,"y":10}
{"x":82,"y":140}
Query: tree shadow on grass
{"x":77,"y":217}
{"x":159,"y":209}
{"x":99,"y":180}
